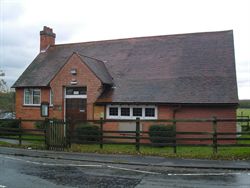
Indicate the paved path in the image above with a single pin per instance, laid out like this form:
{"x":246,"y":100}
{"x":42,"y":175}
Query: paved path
{"x":13,"y":141}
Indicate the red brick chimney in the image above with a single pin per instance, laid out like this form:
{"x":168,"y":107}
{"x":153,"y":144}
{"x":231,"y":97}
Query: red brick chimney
{"x":47,"y":38}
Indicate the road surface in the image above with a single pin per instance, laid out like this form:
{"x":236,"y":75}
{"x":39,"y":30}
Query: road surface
{"x":25,"y":172}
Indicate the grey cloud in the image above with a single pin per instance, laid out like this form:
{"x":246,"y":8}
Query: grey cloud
{"x":10,"y":10}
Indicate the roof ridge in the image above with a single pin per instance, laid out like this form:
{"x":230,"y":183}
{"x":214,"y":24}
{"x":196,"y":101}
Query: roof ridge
{"x":142,"y":37}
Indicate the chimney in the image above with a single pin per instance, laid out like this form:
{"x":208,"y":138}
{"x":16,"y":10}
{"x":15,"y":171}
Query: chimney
{"x":47,"y":38}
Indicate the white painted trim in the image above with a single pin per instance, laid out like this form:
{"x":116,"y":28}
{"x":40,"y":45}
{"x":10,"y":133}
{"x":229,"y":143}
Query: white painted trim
{"x":50,"y":98}
{"x":76,"y":96}
{"x":24,"y":104}
{"x":71,"y":97}
{"x":131,"y":111}
{"x":33,"y":105}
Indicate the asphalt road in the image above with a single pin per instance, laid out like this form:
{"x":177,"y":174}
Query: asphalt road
{"x":25,"y":172}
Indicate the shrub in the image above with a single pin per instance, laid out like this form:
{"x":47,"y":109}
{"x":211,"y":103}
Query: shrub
{"x":163,"y":131}
{"x":40,"y":124}
{"x":87,"y":132}
{"x":9,"y":123}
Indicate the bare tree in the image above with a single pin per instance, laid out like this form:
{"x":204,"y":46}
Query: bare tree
{"x":3,"y":84}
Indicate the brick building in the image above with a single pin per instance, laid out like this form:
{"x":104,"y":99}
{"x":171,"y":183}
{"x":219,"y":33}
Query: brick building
{"x":158,"y":77}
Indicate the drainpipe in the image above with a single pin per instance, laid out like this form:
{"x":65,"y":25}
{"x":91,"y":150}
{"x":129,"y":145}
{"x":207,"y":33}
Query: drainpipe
{"x":175,"y":110}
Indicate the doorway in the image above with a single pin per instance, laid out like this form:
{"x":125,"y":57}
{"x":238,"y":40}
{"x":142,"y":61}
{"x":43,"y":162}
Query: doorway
{"x":76,"y":109}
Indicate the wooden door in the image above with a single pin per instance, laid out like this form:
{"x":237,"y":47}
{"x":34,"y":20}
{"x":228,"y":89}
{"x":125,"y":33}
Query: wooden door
{"x":76,"y":109}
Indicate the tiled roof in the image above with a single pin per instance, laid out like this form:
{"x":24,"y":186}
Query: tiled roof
{"x":98,"y":67}
{"x":185,"y":68}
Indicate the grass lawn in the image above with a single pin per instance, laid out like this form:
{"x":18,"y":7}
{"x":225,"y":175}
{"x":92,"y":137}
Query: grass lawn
{"x":33,"y":141}
{"x":226,"y":153}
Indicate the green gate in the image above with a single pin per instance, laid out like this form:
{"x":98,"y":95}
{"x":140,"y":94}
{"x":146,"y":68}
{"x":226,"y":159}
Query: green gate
{"x":56,"y":135}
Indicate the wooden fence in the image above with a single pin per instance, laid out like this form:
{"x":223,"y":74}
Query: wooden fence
{"x":137,"y":136}
{"x":51,"y":133}
{"x":58,"y":135}
{"x":14,"y":131}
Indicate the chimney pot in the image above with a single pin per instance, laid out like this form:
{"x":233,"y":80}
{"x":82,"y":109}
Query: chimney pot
{"x":47,"y":38}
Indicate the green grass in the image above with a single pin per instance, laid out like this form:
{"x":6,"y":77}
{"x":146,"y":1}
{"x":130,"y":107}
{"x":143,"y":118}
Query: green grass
{"x":27,"y":141}
{"x":244,"y":111}
{"x":226,"y":153}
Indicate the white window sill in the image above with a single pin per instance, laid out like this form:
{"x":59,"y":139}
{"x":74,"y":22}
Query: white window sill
{"x":32,"y":105}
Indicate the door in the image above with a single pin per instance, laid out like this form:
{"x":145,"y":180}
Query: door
{"x":76,"y":109}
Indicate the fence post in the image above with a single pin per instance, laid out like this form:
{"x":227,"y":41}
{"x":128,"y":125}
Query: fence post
{"x":137,"y":135}
{"x":69,"y":132}
{"x":101,"y":133}
{"x":214,"y":135}
{"x":20,"y":131}
{"x":174,"y":141}
{"x":47,"y":135}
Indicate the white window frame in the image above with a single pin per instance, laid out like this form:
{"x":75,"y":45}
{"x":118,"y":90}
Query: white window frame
{"x":131,"y":111}
{"x":74,"y":96}
{"x":31,"y":104}
{"x":51,"y":97}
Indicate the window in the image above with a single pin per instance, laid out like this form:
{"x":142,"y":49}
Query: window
{"x":131,"y":111}
{"x":137,"y":112}
{"x":76,"y":91}
{"x":51,"y":97}
{"x":113,"y":111}
{"x":73,"y":71}
{"x":149,"y":112}
{"x":125,"y":111}
{"x":32,"y":96}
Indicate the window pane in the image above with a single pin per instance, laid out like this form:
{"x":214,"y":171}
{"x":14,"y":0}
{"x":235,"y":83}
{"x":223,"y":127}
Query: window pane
{"x":27,"y":96}
{"x":83,"y":90}
{"x":149,"y":112}
{"x":137,"y":111}
{"x":113,"y":111}
{"x":51,"y":97}
{"x":125,"y":112}
{"x":76,"y":91}
{"x":69,"y":91}
{"x":36,"y":97}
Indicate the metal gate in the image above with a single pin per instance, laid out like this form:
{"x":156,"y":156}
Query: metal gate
{"x":56,"y":135}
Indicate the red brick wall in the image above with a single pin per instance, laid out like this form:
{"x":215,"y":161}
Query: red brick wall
{"x":84,"y":77}
{"x":166,"y":112}
{"x":206,"y":112}
{"x":30,"y":112}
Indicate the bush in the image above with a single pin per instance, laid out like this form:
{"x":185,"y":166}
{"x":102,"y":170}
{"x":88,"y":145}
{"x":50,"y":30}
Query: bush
{"x":9,"y":123}
{"x":88,"y":132}
{"x":163,"y":131}
{"x":40,"y":124}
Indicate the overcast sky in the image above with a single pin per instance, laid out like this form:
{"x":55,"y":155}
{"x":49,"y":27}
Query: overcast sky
{"x":87,"y":20}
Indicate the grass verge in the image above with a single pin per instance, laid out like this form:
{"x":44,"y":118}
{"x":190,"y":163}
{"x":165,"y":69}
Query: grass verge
{"x":225,"y":153}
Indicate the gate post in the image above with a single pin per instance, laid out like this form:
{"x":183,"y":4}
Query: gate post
{"x":68,"y":133}
{"x":174,"y":136}
{"x":137,"y":135}
{"x":20,"y":131}
{"x":46,"y":132}
{"x":214,"y":135}
{"x":101,"y":133}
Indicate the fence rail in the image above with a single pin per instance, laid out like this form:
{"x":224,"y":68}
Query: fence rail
{"x":59,"y":134}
